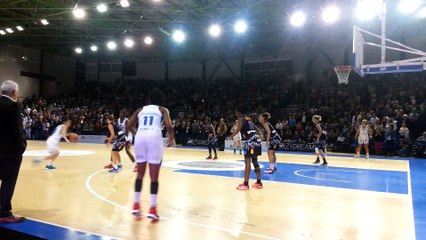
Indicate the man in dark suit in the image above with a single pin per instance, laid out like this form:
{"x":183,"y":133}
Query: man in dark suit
{"x":12,"y":146}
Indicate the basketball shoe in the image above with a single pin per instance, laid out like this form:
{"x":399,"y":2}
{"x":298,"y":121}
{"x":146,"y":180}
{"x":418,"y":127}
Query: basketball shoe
{"x":242,"y":187}
{"x":257,"y":185}
{"x":153,"y":213}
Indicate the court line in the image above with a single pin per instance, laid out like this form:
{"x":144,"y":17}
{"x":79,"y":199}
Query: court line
{"x":104,"y":237}
{"x":410,"y":195}
{"x":89,"y":188}
{"x":323,"y":179}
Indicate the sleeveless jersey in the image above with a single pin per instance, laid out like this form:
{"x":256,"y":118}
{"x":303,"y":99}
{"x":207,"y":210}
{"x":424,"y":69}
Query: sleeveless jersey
{"x":322,"y":137}
{"x":117,"y":131}
{"x":248,"y":129}
{"x":234,"y":128}
{"x":150,"y":121}
{"x":210,"y":131}
{"x":363,"y":131}
{"x":274,"y":134}
{"x":57,"y":134}
{"x":122,"y":124}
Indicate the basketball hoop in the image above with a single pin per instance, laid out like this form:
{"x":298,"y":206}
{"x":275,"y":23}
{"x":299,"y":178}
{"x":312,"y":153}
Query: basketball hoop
{"x":342,"y":73}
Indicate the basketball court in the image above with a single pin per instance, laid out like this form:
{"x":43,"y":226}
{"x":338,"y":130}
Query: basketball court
{"x":351,"y":199}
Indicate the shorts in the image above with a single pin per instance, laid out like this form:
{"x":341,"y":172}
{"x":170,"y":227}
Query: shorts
{"x":237,"y":138}
{"x":363,"y":140}
{"x":252,"y":148}
{"x":274,"y":144}
{"x":52,"y":145}
{"x":129,"y":140}
{"x":320,"y":145}
{"x":119,"y":144}
{"x":149,"y":149}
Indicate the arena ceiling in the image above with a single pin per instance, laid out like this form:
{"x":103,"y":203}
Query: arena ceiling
{"x":269,"y":32}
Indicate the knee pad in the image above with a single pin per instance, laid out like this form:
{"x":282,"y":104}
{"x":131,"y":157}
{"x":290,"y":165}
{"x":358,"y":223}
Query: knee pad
{"x":316,"y":150}
{"x":154,"y":187}
{"x":256,"y":166}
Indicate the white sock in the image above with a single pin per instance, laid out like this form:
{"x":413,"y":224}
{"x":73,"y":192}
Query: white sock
{"x":136,"y":197}
{"x":50,"y":162}
{"x":154,"y":200}
{"x":272,"y":166}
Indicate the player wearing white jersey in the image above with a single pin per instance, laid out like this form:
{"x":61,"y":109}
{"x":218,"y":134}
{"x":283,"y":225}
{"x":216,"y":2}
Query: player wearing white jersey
{"x":236,"y":138}
{"x":122,"y":124}
{"x":363,"y":133}
{"x":52,"y":144}
{"x":149,"y":146}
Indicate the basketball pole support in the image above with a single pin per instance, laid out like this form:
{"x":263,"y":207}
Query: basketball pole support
{"x":383,"y":33}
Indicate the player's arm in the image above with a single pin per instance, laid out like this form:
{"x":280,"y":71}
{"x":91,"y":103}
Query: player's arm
{"x":168,"y":125}
{"x":112,"y":133}
{"x":238,"y":129}
{"x":370,"y":131}
{"x":130,"y":126}
{"x":357,"y":132}
{"x":64,"y":131}
{"x":268,"y":132}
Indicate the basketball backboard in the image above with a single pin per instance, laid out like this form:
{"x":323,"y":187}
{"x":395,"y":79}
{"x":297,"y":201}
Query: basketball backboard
{"x":360,"y":43}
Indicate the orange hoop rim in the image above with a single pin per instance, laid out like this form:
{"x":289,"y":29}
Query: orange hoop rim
{"x":343,"y":67}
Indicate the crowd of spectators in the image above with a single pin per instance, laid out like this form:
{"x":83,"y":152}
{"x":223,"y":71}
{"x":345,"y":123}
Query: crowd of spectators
{"x":394,"y":106}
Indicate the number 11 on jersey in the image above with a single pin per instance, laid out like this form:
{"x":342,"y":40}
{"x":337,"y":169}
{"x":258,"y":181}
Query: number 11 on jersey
{"x":145,"y":120}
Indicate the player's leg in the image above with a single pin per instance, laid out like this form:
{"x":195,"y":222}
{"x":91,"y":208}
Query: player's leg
{"x":256,"y":166}
{"x":128,"y":152}
{"x":141,"y":161}
{"x":358,"y":148}
{"x":210,"y":150}
{"x":155,"y":156}
{"x":271,"y":157}
{"x":235,"y":146}
{"x":214,"y":150}
{"x":317,"y":153}
{"x":322,"y":154}
{"x":367,"y":150}
{"x":247,"y":169}
{"x":141,"y":166}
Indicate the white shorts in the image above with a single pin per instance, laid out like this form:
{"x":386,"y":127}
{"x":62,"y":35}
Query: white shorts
{"x":149,"y":149}
{"x":52,"y":145}
{"x":237,"y":137}
{"x":363,"y":140}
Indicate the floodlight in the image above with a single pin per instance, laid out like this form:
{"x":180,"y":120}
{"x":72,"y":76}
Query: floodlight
{"x":240,"y":26}
{"x":368,"y":9}
{"x":128,"y":42}
{"x":330,"y":14}
{"x":20,"y":28}
{"x":9,"y":30}
{"x":102,"y":7}
{"x":178,"y":36}
{"x":297,"y":19}
{"x":214,"y":30}
{"x":78,"y":50}
{"x":79,"y":13}
{"x":111,"y":45}
{"x":148,"y":40}
{"x":94,"y":48}
{"x":44,"y":21}
{"x":124,"y":3}
{"x":2,"y":32}
{"x":409,"y":6}
{"x":422,"y":12}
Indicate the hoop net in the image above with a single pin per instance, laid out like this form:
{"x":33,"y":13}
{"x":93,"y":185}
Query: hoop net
{"x":343,"y":73}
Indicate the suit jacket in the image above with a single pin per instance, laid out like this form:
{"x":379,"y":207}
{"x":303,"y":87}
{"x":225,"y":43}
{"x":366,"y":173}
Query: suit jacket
{"x":12,"y":137}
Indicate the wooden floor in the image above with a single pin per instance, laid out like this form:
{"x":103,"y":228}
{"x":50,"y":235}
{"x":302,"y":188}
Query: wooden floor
{"x":79,"y":194}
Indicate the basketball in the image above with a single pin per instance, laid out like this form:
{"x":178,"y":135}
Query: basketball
{"x":73,"y":137}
